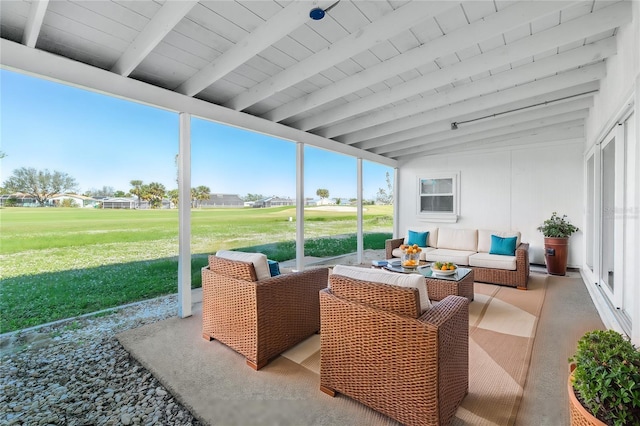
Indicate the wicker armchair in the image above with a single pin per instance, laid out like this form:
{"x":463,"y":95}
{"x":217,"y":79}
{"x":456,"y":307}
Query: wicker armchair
{"x":377,"y":349}
{"x":259,"y":319}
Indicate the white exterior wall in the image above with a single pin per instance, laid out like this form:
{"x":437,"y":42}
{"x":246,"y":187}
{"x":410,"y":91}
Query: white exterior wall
{"x":619,"y":88}
{"x":511,"y":189}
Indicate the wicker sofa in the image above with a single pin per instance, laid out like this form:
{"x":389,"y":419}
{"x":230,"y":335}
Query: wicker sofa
{"x":377,"y":348}
{"x":259,"y":318}
{"x":472,"y":247}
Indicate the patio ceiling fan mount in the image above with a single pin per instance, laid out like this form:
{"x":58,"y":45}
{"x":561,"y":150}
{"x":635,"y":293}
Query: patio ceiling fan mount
{"x":317,"y":13}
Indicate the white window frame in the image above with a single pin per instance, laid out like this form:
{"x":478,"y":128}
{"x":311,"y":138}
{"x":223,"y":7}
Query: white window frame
{"x":444,"y":217}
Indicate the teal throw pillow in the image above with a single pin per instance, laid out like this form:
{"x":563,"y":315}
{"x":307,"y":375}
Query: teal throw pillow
{"x":503,"y":245}
{"x":419,"y":238}
{"x":274,"y":267}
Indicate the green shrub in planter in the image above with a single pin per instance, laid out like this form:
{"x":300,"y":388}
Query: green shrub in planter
{"x":557,"y":227}
{"x":607,"y":377}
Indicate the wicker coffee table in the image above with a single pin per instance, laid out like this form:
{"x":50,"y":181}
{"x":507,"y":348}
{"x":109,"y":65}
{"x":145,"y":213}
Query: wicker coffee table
{"x":441,"y":286}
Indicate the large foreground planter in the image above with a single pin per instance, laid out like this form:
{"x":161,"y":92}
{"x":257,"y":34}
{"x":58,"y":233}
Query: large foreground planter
{"x":579,"y":415}
{"x":556,"y":252}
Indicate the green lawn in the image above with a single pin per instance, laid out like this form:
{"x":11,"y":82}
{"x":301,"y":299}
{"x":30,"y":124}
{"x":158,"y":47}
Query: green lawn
{"x":58,"y":263}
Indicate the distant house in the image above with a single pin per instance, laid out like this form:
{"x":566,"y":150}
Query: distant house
{"x":18,"y":199}
{"x":326,"y":202}
{"x":222,"y":200}
{"x":275,"y":202}
{"x":278,"y":201}
{"x":119,"y":203}
{"x":76,"y":200}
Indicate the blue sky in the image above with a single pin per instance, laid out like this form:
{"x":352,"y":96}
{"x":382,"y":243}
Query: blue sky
{"x":105,"y":141}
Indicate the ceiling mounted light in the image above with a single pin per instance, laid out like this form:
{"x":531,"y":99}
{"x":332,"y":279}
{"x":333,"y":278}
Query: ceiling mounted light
{"x":317,"y":14}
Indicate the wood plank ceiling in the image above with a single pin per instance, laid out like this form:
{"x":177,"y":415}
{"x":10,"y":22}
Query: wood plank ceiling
{"x":394,"y":78}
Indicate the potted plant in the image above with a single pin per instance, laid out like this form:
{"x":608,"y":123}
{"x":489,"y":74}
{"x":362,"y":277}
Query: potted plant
{"x":556,"y":231}
{"x":604,"y":385}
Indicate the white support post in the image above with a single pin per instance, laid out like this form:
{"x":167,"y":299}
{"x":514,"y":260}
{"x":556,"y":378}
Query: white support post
{"x":300,"y":206}
{"x":360,"y":230}
{"x":635,"y":321}
{"x":396,"y":194}
{"x":184,"y":217}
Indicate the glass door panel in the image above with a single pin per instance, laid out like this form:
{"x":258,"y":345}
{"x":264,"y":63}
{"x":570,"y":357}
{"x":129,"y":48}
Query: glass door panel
{"x":590,"y":220}
{"x":607,"y":215}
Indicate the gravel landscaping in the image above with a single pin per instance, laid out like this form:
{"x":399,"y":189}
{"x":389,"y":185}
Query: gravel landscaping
{"x":76,"y":373}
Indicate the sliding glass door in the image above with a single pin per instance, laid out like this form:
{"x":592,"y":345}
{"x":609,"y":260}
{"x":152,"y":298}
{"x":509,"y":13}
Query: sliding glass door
{"x":608,"y":244}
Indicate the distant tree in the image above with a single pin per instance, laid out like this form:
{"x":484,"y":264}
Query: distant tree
{"x":40,"y":184}
{"x":385,"y":196}
{"x":202,"y":193}
{"x":106,"y":191}
{"x":322,"y":193}
{"x":119,"y":194}
{"x":338,"y":201}
{"x":253,"y":197}
{"x":137,"y":189}
{"x":153,"y":193}
{"x":2,"y":154}
{"x":174,"y":196}
{"x":194,"y":197}
{"x":68,"y":202}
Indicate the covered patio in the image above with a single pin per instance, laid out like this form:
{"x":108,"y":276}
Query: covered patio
{"x":528,"y":106}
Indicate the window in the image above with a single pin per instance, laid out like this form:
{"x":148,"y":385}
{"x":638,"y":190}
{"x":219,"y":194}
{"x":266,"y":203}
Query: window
{"x":438,"y":197}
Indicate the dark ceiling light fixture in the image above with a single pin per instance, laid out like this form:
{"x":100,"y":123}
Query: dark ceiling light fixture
{"x":317,"y":14}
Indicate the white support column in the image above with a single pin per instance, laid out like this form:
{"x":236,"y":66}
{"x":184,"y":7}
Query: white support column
{"x":396,"y":203}
{"x":359,"y":235}
{"x":635,"y":321}
{"x":300,"y":206}
{"x":184,"y":217}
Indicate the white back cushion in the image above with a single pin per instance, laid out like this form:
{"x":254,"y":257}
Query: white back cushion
{"x":458,"y":239}
{"x":388,"y":277}
{"x":259,"y":261}
{"x":484,"y":238}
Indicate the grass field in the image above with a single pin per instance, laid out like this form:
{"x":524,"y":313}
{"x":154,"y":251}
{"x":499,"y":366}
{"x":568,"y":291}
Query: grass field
{"x":60,"y":263}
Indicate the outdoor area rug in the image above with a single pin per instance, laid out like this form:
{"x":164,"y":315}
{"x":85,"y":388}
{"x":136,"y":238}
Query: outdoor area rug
{"x":216,"y":385}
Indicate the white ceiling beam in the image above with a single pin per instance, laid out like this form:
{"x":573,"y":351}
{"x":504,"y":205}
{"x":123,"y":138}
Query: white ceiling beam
{"x":272,"y":30}
{"x":575,"y":117}
{"x":572,"y":132}
{"x":531,"y":93}
{"x":352,"y":130}
{"x":577,"y":29}
{"x":483,"y":29}
{"x":34,"y":22}
{"x":152,"y":34}
{"x":374,"y":33}
{"x":17,"y":57}
{"x":491,"y":122}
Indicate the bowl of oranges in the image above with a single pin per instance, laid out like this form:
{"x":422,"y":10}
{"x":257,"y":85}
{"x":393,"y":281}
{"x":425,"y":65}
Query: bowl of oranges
{"x":410,"y":256}
{"x":443,"y":268}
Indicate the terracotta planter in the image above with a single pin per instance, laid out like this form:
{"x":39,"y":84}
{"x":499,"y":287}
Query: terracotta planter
{"x":556,"y":252}
{"x":579,"y":415}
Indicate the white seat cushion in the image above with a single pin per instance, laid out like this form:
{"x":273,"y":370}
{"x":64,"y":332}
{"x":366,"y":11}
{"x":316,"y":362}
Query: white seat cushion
{"x":458,"y":239}
{"x":259,"y":261}
{"x":398,"y":253}
{"x":484,"y":238}
{"x":459,"y":257}
{"x":388,"y":277}
{"x":495,"y":261}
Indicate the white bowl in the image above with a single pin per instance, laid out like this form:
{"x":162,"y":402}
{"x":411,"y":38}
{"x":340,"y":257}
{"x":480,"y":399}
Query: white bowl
{"x":441,"y":272}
